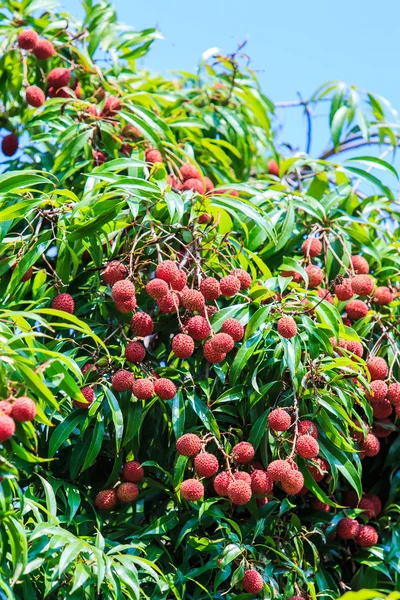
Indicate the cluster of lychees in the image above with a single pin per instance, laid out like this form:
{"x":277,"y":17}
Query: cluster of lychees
{"x":20,"y":409}
{"x":125,"y":492}
{"x":350,"y":529}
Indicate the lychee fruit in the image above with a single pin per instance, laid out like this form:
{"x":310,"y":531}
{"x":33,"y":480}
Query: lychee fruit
{"x":243,"y":453}
{"x":261,"y":483}
{"x":307,"y":428}
{"x":315,"y":276}
{"x":133,"y":471}
{"x":273,"y":168}
{"x":362,"y":285}
{"x":198,"y":328}
{"x":192,"y":490}
{"x":325,"y":295}
{"x":239,"y":492}
{"x":360,"y":265}
{"x":319,"y":470}
{"x":347,"y":528}
{"x":312,"y":246}
{"x":122,"y":290}
{"x":143,"y":389}
{"x":44,"y":50}
{"x":152,"y":155}
{"x":244,"y":278}
{"x":127,"y":492}
{"x":5,"y":407}
{"x":209,"y":184}
{"x":164,"y":388}
{"x":169,"y":303}
{"x":222,"y":343}
{"x":307,"y":446}
{"x":354,"y":347}
{"x":106,"y":500}
{"x":279,"y":420}
{"x":366,"y":505}
{"x":182,"y":345}
{"x":88,"y":393}
{"x":27,"y":39}
{"x":379,"y":389}
{"x":356,"y":309}
{"x":229,"y":286}
{"x":366,"y":536}
{"x":233,"y":328}
{"x":7,"y":427}
{"x":319,"y":505}
{"x":157,"y":288}
{"x":111,"y":106}
{"x":195,"y":185}
{"x":114,"y":271}
{"x":206,"y":464}
{"x":344,"y":290}
{"x":297,"y":278}
{"x":221,"y":483}
{"x":209,"y":311}
{"x":293,"y":481}
{"x":135,"y":352}
{"x":204,"y":218}
{"x":188,"y":444}
{"x":35,"y":96}
{"x":287,"y":327}
{"x":242,"y":476}
{"x":370,"y":446}
{"x":126,"y":306}
{"x":99,"y":158}
{"x":278,"y":469}
{"x":142,"y":324}
{"x":131,"y":132}
{"x":9,"y":144}
{"x":167,"y":270}
{"x":23,"y":409}
{"x":209,"y":287}
{"x":122,"y":381}
{"x":393,"y":394}
{"x":189,"y":171}
{"x":382,"y":410}
{"x":192,"y":299}
{"x":377,"y":367}
{"x":63,"y":302}
{"x":252,"y":581}
{"x":58,"y":78}
{"x":382,"y":296}
{"x":211,"y":355}
{"x":179,"y":282}
{"x":384,"y":427}
{"x":376,"y":502}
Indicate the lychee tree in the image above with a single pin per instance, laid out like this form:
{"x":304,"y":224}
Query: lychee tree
{"x":199,"y":327}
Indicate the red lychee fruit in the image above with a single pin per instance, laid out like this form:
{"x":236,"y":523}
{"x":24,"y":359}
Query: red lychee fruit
{"x":209,"y":184}
{"x":63,"y":302}
{"x":362,"y":285}
{"x":366,"y":505}
{"x":111,"y":106}
{"x":354,"y":347}
{"x":44,"y":50}
{"x":195,"y":185}
{"x":189,"y":171}
{"x":319,"y":470}
{"x":222,"y":343}
{"x":63,"y":93}
{"x":89,"y":367}
{"x":379,"y":389}
{"x":157,"y":288}
{"x":347,"y":528}
{"x":229,"y":286}
{"x":127,"y":492}
{"x":296,"y":598}
{"x":209,"y":311}
{"x":315,"y":276}
{"x":312,"y":246}
{"x":287,"y":327}
{"x":179,"y":282}
{"x":27,"y":275}
{"x":221,"y":483}
{"x":243,"y":453}
{"x":27,"y":39}
{"x":99,"y":158}
{"x":7,"y":427}
{"x":35,"y":96}
{"x":209,"y":287}
{"x":384,"y":427}
{"x":382,"y":296}
{"x":252,"y":581}
{"x":242,"y":476}
{"x":376,"y":502}
{"x":204,"y":218}
{"x":192,"y":490}
{"x":23,"y":409}
{"x":239,"y":492}
{"x":188,"y":444}
{"x":244,"y":278}
{"x":325,"y":295}
{"x":278,"y":469}
{"x":344,"y":290}
{"x":198,"y":328}
{"x":133,"y":471}
{"x":307,"y":446}
{"x":167,"y":270}
{"x":5,"y":407}
{"x":122,"y":381}
{"x":308,"y":428}
{"x":273,"y":168}
{"x":135,"y":352}
{"x":356,"y":309}
{"x":122,"y":290}
{"x":106,"y":500}
{"x":88,"y":394}
{"x":382,"y":410}
{"x":126,"y":306}
{"x":153,"y":156}
{"x":142,"y":324}
{"x":318,"y":505}
{"x":58,"y":78}
{"x":360,"y":265}
{"x":233,"y":328}
{"x":377,"y":367}
{"x":297,"y":278}
{"x":143,"y":388}
{"x":367,"y":536}
{"x":393,"y":394}
{"x":9,"y":145}
{"x":192,"y":299}
{"x":211,"y":355}
{"x":169,"y":303}
{"x":114,"y":271}
{"x":347,"y":322}
{"x":293,"y":481}
{"x":279,"y":420}
{"x":261,"y":483}
{"x":164,"y":388}
{"x":206,"y":464}
{"x":182,"y":345}
{"x":370,"y":446}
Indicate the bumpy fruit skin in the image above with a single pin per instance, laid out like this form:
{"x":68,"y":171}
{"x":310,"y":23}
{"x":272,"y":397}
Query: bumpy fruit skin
{"x":133,"y":471}
{"x":179,"y":282}
{"x":344,"y":290}
{"x":164,"y":388}
{"x":63,"y":302}
{"x":7,"y":427}
{"x":209,"y":311}
{"x":377,"y":367}
{"x":126,"y":306}
{"x":308,"y":428}
{"x":89,"y":396}
{"x":252,"y":581}
{"x":111,"y":106}
{"x":44,"y":50}
{"x":293,"y":481}
{"x":233,"y":328}
{"x":211,"y":355}
{"x":122,"y":290}
{"x":376,"y":502}
{"x":188,"y":444}
{"x":370,"y":445}
{"x":192,"y":299}
{"x":198,"y":328}
{"x":209,"y":184}
{"x":382,"y":410}
{"x":58,"y":78}
{"x":239,"y":492}
{"x":318,"y":471}
{"x":315,"y":276}
{"x":261,"y":483}
{"x":229,"y":286}
{"x":221,"y":483}
{"x":5,"y":407}
{"x":114,"y":271}
{"x":355,"y":347}
{"x":206,"y":464}
{"x":296,"y":598}
{"x":127,"y":492}
{"x":157,"y":288}
{"x":273,"y":168}
{"x":367,"y":536}
{"x":393,"y":394}
{"x":244,"y":278}
{"x":182,"y":345}
{"x":278,"y":469}
{"x":382,"y":296}
{"x":297,"y":278}
{"x":9,"y":145}
{"x":142,"y":324}
{"x":153,"y":156}
{"x":192,"y":490}
{"x":135,"y":352}
{"x":360,"y":265}
{"x":106,"y":500}
{"x":189,"y":171}
{"x":379,"y":389}
{"x":27,"y":39}
{"x":318,"y":505}
{"x":368,"y":507}
{"x":23,"y":409}
{"x":279,"y":420}
{"x":356,"y":309}
{"x":242,"y":476}
{"x":195,"y":185}
{"x":169,"y":303}
{"x":35,"y":96}
{"x":122,"y":381}
{"x":243,"y":453}
{"x":312,"y":246}
{"x":209,"y":287}
{"x":347,"y":528}
{"x":143,"y":388}
{"x":325,"y":295}
{"x":167,"y":270}
{"x":287,"y":327}
{"x":307,"y":446}
{"x":222,"y":342}
{"x":362,"y":285}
